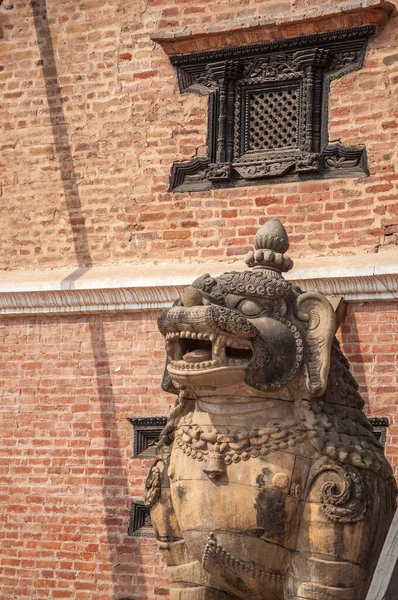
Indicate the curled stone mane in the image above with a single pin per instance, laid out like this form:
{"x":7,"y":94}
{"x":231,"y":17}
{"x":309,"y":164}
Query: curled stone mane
{"x":344,"y":434}
{"x":257,"y":283}
{"x":184,"y":404}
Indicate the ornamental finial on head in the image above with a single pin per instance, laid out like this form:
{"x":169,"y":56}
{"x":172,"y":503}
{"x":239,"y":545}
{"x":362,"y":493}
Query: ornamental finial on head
{"x":270,"y":242}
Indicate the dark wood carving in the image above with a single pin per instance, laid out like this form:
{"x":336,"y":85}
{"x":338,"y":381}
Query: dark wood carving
{"x":379,"y":426}
{"x":140,"y":524}
{"x":268,"y":111}
{"x":146,"y":435}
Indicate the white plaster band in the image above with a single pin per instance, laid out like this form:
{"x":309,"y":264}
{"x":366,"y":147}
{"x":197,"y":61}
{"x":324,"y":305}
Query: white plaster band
{"x":128,"y":287}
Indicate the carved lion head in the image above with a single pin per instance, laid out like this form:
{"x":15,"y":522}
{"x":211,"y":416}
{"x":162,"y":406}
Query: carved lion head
{"x":251,"y":326}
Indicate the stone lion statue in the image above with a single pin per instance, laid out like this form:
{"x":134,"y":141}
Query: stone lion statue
{"x":268,"y":483}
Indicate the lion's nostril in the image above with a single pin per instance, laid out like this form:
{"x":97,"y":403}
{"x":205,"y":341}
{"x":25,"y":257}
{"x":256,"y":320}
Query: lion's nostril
{"x":191,"y":297}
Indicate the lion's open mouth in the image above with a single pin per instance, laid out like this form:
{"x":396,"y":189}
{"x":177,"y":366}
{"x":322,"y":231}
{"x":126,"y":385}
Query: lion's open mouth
{"x":188,"y":350}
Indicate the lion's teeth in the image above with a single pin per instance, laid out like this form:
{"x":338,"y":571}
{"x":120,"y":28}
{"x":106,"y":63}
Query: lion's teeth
{"x":218,"y":353}
{"x":200,"y":336}
{"x":218,"y":343}
{"x":213,"y":337}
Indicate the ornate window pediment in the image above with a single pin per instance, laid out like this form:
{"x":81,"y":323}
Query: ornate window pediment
{"x":268,"y":110}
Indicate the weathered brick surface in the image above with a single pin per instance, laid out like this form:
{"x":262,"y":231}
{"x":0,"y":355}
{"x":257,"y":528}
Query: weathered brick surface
{"x":92,"y":121}
{"x":67,"y":476}
{"x":369,"y":335}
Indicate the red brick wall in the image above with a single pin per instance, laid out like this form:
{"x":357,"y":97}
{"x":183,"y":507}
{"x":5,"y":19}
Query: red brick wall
{"x":93,"y":120}
{"x":67,"y":472}
{"x":369,"y":337}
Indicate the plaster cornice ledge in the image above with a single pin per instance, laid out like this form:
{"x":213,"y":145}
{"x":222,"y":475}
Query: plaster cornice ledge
{"x":274,"y":26}
{"x":128,"y":287}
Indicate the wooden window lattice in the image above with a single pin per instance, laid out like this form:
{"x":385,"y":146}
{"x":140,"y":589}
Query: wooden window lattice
{"x":268,"y":111}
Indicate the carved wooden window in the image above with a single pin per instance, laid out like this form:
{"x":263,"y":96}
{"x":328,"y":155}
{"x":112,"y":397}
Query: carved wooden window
{"x":146,"y":435}
{"x":147,"y":431}
{"x":379,"y":426}
{"x":140,"y":524}
{"x":268,"y":106}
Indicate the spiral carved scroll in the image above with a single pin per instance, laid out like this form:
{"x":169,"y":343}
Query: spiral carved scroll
{"x":345,"y":500}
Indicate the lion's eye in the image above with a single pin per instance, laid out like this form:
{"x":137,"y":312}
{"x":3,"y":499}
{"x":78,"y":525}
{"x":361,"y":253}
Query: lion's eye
{"x":250,"y":308}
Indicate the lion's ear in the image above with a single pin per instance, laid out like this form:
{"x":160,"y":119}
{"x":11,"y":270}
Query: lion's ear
{"x":318,"y":314}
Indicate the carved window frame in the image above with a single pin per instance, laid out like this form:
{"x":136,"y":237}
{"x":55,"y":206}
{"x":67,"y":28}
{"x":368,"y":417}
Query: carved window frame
{"x":379,"y":426}
{"x":147,"y":431}
{"x":140,"y":524}
{"x":227,"y":76}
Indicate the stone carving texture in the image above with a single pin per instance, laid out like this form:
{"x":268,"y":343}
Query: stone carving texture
{"x":268,"y":481}
{"x":268,"y":107}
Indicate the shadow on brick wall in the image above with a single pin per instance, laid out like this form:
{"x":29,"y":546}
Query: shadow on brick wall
{"x":115,"y":505}
{"x":60,"y":133}
{"x":352,"y":347}
{"x":113,"y":462}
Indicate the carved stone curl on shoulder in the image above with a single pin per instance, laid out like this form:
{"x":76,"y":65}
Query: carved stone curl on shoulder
{"x":343,"y":491}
